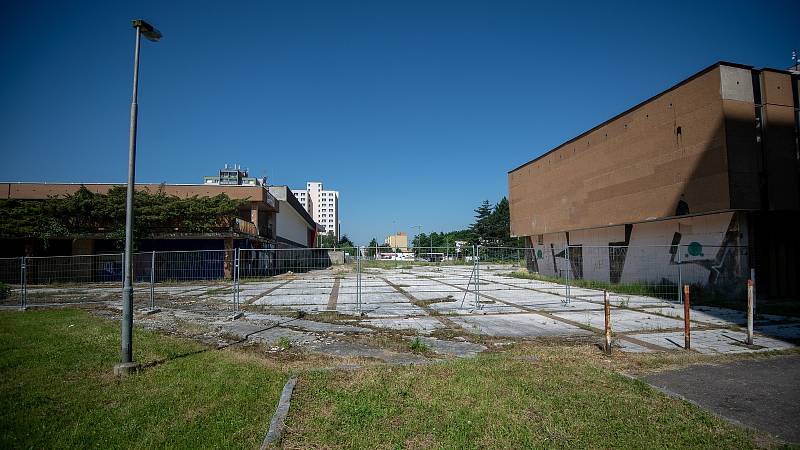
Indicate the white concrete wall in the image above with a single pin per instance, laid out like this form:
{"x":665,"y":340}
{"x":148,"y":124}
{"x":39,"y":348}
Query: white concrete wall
{"x":291,"y":225}
{"x":648,"y":257}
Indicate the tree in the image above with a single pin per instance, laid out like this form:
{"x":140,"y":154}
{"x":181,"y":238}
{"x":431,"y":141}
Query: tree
{"x":87,"y":212}
{"x":481,"y":229}
{"x":372,"y":248}
{"x":326,"y":241}
{"x":345,"y":241}
{"x":500,"y":224}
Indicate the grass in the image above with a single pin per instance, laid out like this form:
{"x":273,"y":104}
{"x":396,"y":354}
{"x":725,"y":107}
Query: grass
{"x":56,"y":391}
{"x":283,"y":343}
{"x":419,"y":346}
{"x":555,"y":399}
{"x":56,"y":388}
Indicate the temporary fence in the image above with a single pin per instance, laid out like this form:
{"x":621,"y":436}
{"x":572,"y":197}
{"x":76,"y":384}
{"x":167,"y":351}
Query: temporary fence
{"x":217,"y":278}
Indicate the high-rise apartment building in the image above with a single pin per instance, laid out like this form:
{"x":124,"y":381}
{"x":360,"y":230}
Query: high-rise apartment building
{"x":322,"y":205}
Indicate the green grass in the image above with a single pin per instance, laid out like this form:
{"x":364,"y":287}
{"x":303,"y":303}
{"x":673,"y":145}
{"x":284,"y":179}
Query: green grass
{"x":56,"y":388}
{"x":418,"y":345}
{"x":496,"y":401}
{"x":283,"y":343}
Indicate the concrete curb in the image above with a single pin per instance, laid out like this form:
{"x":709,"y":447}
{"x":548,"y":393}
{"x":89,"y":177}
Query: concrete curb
{"x":278,"y":419}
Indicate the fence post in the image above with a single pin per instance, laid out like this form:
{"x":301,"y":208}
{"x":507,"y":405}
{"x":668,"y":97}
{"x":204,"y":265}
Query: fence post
{"x":566,"y":272}
{"x":686,"y":325}
{"x":477,"y":277}
{"x":23,"y":283}
{"x":358,"y":281}
{"x":236,"y":279}
{"x":152,"y":280}
{"x":680,"y":272}
{"x":750,"y":300}
{"x":607,"y":310}
{"x":753,"y":279}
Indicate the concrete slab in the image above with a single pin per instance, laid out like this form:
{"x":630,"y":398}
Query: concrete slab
{"x":423,"y":325}
{"x":622,"y":320}
{"x":350,"y":350}
{"x":467,"y":307}
{"x":452,"y":348}
{"x":293,"y":300}
{"x":307,"y":325}
{"x":716,"y":341}
{"x":786,"y":332}
{"x":528,"y":325}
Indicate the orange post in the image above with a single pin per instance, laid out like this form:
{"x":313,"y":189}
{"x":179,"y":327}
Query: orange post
{"x":686,"y":325}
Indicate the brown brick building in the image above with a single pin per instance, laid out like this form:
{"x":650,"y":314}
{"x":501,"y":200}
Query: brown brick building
{"x":711,"y":161}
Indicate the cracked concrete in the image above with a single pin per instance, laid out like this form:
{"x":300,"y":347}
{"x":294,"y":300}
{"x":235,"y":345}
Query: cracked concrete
{"x":424,"y":299}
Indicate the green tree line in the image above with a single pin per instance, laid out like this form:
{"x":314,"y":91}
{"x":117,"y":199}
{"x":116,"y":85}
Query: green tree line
{"x":88,"y":212}
{"x":492,"y":227}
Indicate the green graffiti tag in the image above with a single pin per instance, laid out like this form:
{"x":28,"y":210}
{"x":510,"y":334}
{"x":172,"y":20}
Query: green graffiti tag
{"x":695,"y":249}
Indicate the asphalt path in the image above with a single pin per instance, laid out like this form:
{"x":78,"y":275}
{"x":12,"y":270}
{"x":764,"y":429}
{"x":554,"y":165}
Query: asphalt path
{"x":762,"y":393}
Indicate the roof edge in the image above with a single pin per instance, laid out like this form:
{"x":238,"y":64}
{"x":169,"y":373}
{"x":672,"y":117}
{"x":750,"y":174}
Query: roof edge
{"x":635,"y":107}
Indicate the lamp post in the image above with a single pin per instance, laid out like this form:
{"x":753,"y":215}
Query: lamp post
{"x":126,"y":364}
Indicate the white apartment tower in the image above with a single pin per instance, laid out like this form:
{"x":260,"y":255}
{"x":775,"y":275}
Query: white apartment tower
{"x":322,"y":205}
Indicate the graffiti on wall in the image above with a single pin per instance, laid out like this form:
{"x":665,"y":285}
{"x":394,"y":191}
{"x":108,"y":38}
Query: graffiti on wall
{"x":695,"y":254}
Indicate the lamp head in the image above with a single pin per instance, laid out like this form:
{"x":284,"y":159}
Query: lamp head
{"x":148,"y":30}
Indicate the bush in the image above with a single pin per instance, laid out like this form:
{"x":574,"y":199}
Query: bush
{"x":4,"y":290}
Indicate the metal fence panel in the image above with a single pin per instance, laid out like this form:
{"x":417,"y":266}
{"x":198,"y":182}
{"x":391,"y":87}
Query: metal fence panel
{"x":217,"y":278}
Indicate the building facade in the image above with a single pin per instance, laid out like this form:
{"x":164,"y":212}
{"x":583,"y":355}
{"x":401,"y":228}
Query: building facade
{"x":398,"y":240}
{"x":323,"y":205}
{"x":253,"y":227}
{"x":296,"y":227}
{"x":708,"y":171}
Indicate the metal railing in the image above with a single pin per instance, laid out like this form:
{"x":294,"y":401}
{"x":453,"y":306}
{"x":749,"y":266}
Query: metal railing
{"x":217,"y":278}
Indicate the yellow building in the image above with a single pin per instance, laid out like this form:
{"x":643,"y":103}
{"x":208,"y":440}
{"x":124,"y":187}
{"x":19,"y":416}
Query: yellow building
{"x":398,"y":240}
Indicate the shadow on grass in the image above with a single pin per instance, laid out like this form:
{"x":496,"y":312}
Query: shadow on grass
{"x":162,"y":361}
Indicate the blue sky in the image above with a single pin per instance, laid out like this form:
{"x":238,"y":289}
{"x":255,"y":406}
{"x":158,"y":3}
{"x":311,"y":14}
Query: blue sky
{"x":414,"y":111}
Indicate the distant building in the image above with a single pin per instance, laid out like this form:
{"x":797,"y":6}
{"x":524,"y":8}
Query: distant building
{"x":710,"y":165}
{"x":295,"y":225}
{"x":322,"y":205}
{"x":234,"y":176}
{"x":398,"y":240}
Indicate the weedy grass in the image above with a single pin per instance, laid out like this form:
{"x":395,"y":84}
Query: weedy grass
{"x":57,"y":388}
{"x":553,"y":397}
{"x":418,"y":345}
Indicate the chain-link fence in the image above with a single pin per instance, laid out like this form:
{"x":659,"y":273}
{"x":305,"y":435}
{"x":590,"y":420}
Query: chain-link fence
{"x":216,"y":278}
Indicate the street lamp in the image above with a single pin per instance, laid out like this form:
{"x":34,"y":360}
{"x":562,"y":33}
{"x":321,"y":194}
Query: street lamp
{"x":127,"y":365}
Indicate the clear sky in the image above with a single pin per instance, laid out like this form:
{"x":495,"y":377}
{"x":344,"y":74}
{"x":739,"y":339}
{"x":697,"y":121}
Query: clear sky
{"x":414,"y":111}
